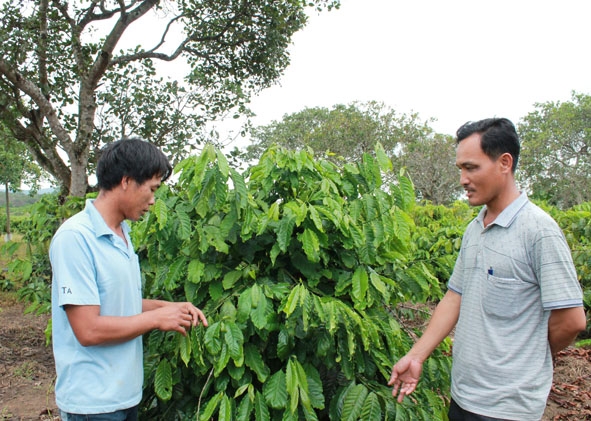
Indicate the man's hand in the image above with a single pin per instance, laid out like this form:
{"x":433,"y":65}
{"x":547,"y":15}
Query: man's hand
{"x":179,"y":317}
{"x":405,"y":376}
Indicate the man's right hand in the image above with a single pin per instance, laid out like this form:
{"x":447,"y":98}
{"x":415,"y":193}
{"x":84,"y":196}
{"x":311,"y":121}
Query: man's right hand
{"x":405,"y":376}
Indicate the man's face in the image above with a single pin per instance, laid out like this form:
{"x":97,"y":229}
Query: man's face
{"x":139,"y":197}
{"x":479,"y":174}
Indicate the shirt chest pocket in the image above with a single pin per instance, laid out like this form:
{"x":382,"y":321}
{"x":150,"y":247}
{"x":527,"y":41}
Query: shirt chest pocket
{"x":506,"y":298}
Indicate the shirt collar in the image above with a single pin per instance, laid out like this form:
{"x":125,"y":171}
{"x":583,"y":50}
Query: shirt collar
{"x":100,"y":226}
{"x":507,"y":216}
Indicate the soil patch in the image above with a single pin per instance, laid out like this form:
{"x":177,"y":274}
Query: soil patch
{"x":27,"y":371}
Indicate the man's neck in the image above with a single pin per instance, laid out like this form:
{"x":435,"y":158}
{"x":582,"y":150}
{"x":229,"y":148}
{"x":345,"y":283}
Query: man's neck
{"x":105,"y":204}
{"x":494,"y":209}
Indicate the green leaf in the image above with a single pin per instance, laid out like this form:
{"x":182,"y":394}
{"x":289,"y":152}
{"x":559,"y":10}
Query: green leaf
{"x":353,"y":402}
{"x":315,"y":389}
{"x":261,"y":412}
{"x":311,"y":245}
{"x":211,"y":407}
{"x":234,"y":339}
{"x":225,"y":412}
{"x":213,"y":342}
{"x":221,"y":360}
{"x":371,"y":411}
{"x":384,"y":162}
{"x":174,"y":272}
{"x":195,"y":270}
{"x":360,"y":285}
{"x":407,"y":193}
{"x":275,"y":391}
{"x":230,"y":279}
{"x":222,"y":163}
{"x":163,"y":380}
{"x":160,"y":210}
{"x":240,"y":191}
{"x":184,"y":228}
{"x":291,"y":381}
{"x":284,"y":231}
{"x":244,"y":409}
{"x":315,"y":217}
{"x":259,"y":314}
{"x":254,"y":361}
{"x":244,"y":305}
{"x":185,"y":348}
{"x":275,"y":251}
{"x":25,"y":267}
{"x":293,"y":300}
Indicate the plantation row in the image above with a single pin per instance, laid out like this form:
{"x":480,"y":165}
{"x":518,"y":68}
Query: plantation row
{"x":305,"y":271}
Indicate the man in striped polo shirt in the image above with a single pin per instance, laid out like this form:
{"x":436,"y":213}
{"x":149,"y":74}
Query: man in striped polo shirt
{"x":513,"y":296}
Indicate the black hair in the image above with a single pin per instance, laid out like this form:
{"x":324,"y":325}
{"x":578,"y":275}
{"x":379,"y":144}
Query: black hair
{"x":131,"y":157}
{"x":498,"y":136}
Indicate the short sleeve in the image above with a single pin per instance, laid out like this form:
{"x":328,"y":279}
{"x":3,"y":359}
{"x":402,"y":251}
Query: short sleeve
{"x":72,"y":264}
{"x":555,"y":270}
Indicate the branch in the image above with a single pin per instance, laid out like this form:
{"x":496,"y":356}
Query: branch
{"x":76,"y":30}
{"x":89,"y":16}
{"x":182,"y":47}
{"x":42,"y":48}
{"x":45,"y":107}
{"x":103,"y":60}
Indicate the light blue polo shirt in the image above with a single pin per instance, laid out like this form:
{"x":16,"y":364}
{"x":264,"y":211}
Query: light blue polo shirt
{"x":93,"y":266}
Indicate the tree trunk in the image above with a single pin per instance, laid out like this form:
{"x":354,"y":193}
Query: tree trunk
{"x":79,"y":179}
{"x":8,"y":236}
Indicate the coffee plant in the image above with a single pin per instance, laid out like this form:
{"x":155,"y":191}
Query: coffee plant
{"x":299,"y":266}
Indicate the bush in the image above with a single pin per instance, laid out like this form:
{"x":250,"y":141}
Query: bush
{"x":576,"y":224}
{"x":299,"y":267}
{"x":31,"y":273}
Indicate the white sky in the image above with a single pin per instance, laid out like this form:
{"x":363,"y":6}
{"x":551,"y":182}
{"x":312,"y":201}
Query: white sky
{"x":452,"y":60}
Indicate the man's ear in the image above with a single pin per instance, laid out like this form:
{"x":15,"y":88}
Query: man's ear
{"x":506,"y":162}
{"x":125,"y":182}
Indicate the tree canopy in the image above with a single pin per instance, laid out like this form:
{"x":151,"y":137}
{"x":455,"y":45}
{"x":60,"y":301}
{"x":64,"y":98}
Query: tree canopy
{"x":556,"y":151}
{"x":346,"y":132}
{"x":431,"y":162}
{"x":66,"y":88}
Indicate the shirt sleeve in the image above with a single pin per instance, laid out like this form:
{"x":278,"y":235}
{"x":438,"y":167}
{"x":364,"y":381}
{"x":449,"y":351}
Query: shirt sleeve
{"x":74,"y":274}
{"x":556,"y":272}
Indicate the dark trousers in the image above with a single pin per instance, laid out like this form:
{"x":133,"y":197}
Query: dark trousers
{"x":130,"y":414}
{"x":458,"y":414}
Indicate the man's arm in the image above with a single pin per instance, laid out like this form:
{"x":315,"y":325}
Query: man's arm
{"x":406,"y":372}
{"x":91,"y":328}
{"x":563,"y":327}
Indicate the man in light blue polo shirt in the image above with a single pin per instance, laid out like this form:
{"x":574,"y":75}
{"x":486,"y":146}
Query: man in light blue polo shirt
{"x":513,"y":297}
{"x":98,"y":314}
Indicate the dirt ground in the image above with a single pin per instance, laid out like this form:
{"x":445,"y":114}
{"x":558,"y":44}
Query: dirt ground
{"x":27,"y":373}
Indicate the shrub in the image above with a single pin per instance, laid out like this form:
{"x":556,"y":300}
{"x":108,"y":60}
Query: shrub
{"x":299,"y":267}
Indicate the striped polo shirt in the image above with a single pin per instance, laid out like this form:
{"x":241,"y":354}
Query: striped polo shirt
{"x":510,"y":275}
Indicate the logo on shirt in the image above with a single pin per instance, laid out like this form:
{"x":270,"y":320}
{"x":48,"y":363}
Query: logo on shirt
{"x":66,"y":290}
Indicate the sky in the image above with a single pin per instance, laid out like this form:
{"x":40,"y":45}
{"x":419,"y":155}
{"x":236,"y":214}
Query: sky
{"x":450,"y":60}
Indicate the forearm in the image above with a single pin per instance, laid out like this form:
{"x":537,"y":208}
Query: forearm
{"x":114,"y":329}
{"x":442,"y":322}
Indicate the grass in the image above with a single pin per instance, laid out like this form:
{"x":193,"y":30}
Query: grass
{"x":26,"y":370}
